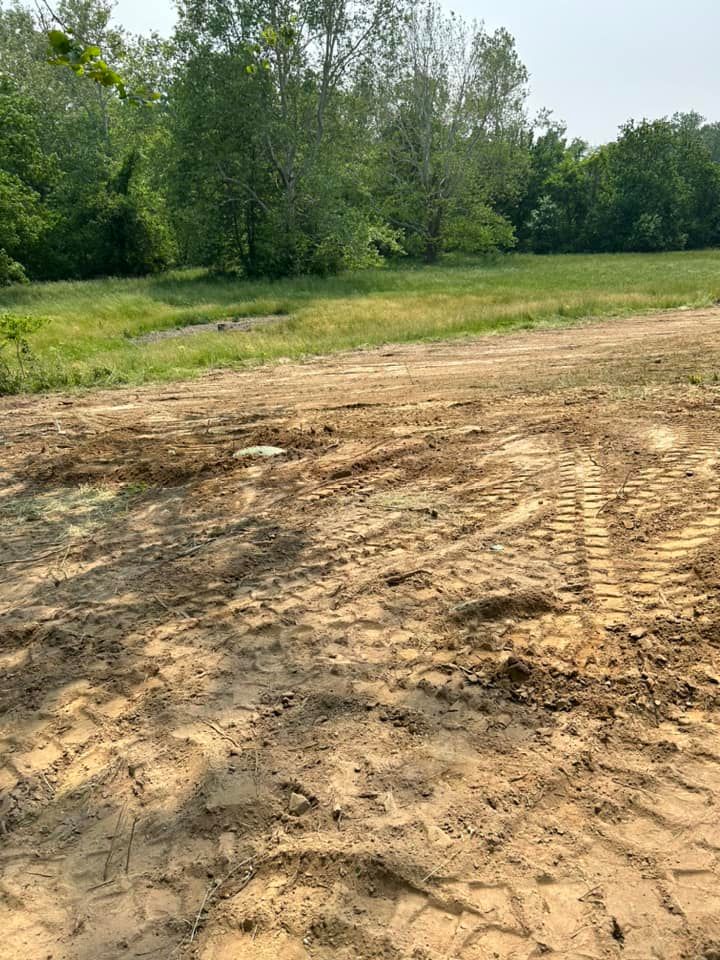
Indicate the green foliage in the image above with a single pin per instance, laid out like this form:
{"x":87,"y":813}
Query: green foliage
{"x":311,"y":137}
{"x":478,"y":229}
{"x":10,"y":271}
{"x":18,"y":365}
{"x":65,"y":145}
{"x":275,"y":188}
{"x":114,"y":231}
{"x":85,"y":60}
{"x":25,"y":173}
{"x":656,"y":188}
{"x":22,"y":216}
{"x":451,"y":149}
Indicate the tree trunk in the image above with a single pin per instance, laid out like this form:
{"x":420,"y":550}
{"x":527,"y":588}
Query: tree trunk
{"x":433,"y":242}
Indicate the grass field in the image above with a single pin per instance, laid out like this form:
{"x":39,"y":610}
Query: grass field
{"x":88,"y":338}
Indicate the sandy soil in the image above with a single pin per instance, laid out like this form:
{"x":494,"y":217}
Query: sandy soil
{"x":440,"y":682}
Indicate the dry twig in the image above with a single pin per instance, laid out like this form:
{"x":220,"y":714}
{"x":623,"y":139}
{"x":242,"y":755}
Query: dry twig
{"x":121,"y":815}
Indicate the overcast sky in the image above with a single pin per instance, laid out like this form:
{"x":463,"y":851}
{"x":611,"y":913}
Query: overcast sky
{"x":594,"y":64}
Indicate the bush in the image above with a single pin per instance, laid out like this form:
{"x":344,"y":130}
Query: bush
{"x":10,"y":270}
{"x":18,"y":365}
{"x":479,"y":230}
{"x":650,"y":234}
{"x":351,"y":242}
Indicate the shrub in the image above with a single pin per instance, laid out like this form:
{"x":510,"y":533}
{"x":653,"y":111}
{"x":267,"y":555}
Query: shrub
{"x":10,"y":270}
{"x":18,"y":365}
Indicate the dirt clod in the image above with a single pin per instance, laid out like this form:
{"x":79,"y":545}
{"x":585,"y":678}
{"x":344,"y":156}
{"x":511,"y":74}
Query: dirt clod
{"x":517,"y":670}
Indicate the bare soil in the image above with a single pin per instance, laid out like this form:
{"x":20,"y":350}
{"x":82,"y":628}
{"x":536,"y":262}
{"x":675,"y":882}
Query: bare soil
{"x":442,"y":681}
{"x":229,"y":325}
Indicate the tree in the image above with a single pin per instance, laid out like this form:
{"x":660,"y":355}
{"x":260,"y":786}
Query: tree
{"x":87,"y":135}
{"x":710,"y":134}
{"x":25,"y":174}
{"x":661,"y":189}
{"x":655,"y":188}
{"x":453,"y":128}
{"x":272,"y":172}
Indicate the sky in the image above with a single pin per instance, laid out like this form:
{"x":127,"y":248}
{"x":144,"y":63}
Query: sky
{"x":594,"y":64}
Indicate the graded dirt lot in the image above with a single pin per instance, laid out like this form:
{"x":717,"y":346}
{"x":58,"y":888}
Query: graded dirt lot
{"x":440,"y":681}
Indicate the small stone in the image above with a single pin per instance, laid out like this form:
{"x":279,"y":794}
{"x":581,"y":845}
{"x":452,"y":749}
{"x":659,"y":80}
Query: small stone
{"x":637,"y":633}
{"x":298,"y":804}
{"x":337,"y":812}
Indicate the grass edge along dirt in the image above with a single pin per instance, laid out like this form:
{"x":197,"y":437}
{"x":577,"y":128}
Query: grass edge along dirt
{"x":89,"y":337}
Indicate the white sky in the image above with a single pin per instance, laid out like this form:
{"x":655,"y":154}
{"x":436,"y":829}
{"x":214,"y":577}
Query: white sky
{"x":595,"y":63}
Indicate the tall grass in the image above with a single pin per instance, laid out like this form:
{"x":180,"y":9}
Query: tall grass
{"x":88,"y":338}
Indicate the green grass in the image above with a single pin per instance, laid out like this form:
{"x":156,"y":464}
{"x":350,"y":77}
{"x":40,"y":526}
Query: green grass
{"x":87,"y":340}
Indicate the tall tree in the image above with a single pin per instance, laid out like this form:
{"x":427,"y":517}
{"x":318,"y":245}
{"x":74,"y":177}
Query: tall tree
{"x":269,"y":161}
{"x":453,"y":131}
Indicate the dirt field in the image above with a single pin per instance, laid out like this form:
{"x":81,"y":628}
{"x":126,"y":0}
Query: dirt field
{"x":441,"y":681}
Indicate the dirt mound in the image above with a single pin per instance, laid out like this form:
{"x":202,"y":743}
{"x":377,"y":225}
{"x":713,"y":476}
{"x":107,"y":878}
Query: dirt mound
{"x":503,"y":605}
{"x":169,"y":456}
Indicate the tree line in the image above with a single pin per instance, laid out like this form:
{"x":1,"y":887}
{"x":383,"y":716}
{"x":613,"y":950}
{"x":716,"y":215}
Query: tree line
{"x":296,"y":136}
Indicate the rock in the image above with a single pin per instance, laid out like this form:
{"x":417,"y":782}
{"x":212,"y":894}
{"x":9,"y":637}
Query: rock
{"x":298,"y":804}
{"x":637,"y":634}
{"x":261,"y":451}
{"x":337,"y":812}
